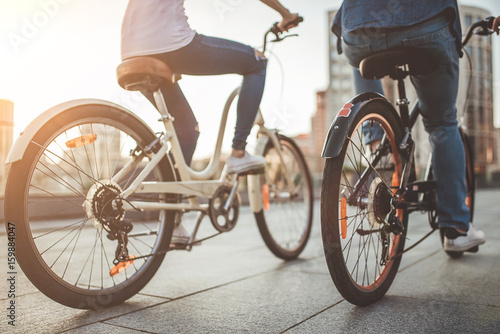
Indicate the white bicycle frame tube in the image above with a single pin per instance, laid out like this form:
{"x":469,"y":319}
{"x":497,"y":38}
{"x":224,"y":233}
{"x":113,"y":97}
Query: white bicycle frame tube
{"x":194,"y":183}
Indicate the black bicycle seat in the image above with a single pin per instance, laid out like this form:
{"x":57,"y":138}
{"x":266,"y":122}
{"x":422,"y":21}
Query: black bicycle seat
{"x":398,"y":63}
{"x":144,"y":73}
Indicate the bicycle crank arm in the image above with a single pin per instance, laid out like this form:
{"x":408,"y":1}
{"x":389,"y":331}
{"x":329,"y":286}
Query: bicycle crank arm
{"x":227,"y":205}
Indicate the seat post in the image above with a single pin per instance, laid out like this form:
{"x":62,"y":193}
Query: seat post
{"x":161,"y":105}
{"x":402,"y":101}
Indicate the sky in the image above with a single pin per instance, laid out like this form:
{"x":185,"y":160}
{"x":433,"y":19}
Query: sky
{"x":58,"y":50}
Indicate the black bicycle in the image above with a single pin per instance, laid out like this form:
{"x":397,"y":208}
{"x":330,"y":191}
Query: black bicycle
{"x":367,"y":193}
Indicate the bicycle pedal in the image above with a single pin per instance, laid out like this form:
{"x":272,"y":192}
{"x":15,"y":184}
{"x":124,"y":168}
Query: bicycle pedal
{"x":181,"y":246}
{"x":253,"y":172}
{"x":422,"y":186}
{"x":178,"y":247}
{"x":474,"y":249}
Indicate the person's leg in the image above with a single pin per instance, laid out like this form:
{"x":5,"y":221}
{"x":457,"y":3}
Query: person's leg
{"x":437,"y":93}
{"x":212,"y":56}
{"x":186,"y":126}
{"x":372,"y":134}
{"x":362,"y":85}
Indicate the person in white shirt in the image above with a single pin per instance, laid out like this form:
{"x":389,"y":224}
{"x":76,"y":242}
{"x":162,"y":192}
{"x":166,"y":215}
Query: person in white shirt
{"x":159,"y":28}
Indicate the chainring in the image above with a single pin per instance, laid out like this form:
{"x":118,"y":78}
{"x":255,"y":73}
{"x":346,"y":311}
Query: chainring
{"x":224,"y":220}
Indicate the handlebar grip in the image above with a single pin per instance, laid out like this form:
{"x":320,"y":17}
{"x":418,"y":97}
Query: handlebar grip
{"x":296,"y":21}
{"x":276,"y":30}
{"x":490,"y":20}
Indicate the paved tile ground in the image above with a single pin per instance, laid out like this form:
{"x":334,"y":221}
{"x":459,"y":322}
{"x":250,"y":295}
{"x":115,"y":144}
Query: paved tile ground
{"x":233,"y":284}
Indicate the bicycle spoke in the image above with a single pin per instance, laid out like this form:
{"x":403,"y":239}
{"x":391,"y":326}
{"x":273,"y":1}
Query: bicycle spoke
{"x":72,"y":252}
{"x":41,"y":253}
{"x":67,"y":245}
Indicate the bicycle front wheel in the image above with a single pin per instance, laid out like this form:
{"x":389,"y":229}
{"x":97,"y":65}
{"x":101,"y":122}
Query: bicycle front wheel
{"x":286,"y":218}
{"x":60,"y":199}
{"x":355,"y":206}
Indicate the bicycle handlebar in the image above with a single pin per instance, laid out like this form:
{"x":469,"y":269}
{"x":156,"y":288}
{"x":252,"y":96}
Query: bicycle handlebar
{"x":277,"y":32}
{"x":485,"y":28}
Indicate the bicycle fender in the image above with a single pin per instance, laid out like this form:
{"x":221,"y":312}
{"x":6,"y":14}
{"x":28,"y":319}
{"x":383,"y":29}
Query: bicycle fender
{"x":339,"y":129}
{"x":21,"y":144}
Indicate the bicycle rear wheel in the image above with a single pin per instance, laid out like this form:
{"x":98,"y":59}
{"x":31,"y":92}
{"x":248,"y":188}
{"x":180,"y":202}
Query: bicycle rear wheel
{"x":285,"y":221}
{"x":355,"y":204}
{"x":59,"y":196}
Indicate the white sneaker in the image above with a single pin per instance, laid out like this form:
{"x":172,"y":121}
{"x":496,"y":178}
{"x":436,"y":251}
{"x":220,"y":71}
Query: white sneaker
{"x":473,"y":238}
{"x":180,"y":235}
{"x":246,"y":164}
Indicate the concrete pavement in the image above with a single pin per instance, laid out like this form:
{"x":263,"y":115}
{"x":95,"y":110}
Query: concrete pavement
{"x":233,"y":284}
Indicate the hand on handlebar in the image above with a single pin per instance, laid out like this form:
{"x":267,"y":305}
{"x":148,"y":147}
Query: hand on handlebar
{"x":289,"y":22}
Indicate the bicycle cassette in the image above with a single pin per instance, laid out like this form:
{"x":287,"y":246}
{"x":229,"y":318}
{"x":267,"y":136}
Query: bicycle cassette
{"x":99,"y":204}
{"x":379,"y":203}
{"x":224,"y":219}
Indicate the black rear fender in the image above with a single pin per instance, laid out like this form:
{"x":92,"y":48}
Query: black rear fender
{"x":339,"y":129}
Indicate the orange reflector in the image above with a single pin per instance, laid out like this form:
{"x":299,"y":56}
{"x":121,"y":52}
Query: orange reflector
{"x":343,"y":217}
{"x":121,"y":266}
{"x":395,"y":179}
{"x":81,"y":141}
{"x":265,"y":196}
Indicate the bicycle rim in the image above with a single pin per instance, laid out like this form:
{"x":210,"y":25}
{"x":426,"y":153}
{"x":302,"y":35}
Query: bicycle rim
{"x":285,"y":222}
{"x":66,"y":197}
{"x":351,"y":224}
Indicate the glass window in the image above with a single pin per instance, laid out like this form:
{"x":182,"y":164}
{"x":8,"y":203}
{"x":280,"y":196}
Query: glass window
{"x":346,"y":83}
{"x":487,"y":62}
{"x":335,"y":68}
{"x":479,"y":59}
{"x":335,"y":84}
{"x":468,"y":20}
{"x":347,"y":69}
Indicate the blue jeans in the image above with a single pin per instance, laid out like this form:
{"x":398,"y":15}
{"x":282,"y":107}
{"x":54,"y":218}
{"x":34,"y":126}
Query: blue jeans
{"x":213,"y":56}
{"x":437,"y":94}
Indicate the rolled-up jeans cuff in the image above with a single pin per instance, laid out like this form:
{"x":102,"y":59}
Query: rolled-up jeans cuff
{"x":239,"y":145}
{"x":464,"y":226}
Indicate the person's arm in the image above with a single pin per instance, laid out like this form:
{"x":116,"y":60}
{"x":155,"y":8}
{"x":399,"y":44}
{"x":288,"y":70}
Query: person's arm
{"x":496,"y":24}
{"x":287,"y":16}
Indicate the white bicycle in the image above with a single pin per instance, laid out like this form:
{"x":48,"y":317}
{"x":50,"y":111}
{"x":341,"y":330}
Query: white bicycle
{"x":93,"y":194}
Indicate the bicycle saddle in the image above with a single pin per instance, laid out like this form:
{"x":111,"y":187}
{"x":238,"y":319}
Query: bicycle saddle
{"x":415,"y":61}
{"x":144,"y":73}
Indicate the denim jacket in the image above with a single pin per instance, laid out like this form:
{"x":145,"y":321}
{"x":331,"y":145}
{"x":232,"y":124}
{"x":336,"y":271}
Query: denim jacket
{"x":355,"y":14}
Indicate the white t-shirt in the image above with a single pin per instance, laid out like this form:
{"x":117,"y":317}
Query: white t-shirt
{"x":154,"y":26}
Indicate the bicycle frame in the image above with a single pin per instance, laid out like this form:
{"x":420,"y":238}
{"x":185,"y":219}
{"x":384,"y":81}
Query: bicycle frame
{"x":192,"y":183}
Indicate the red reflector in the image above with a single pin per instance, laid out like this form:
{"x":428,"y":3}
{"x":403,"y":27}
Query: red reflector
{"x":346,"y":110}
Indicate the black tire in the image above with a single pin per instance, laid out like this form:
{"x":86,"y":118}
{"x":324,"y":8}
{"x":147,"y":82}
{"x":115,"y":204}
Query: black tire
{"x":285,"y":225}
{"x":59,"y":248}
{"x":354,"y":258}
{"x":470,"y":181}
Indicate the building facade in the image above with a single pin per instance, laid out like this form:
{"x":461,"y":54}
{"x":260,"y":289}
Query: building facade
{"x":477,"y":104}
{"x":6,"y":138}
{"x":475,"y":112}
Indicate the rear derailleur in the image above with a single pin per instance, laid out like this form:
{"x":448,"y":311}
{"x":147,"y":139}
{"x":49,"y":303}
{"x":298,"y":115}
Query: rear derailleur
{"x":392,"y":226}
{"x":119,"y":230}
